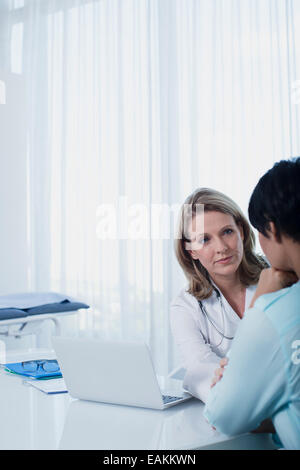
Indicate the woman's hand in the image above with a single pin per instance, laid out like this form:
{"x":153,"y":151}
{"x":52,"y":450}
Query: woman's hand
{"x":219,"y":372}
{"x":272,"y":280}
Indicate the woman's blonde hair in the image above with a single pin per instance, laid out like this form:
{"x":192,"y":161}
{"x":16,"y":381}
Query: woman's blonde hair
{"x":200,"y":285}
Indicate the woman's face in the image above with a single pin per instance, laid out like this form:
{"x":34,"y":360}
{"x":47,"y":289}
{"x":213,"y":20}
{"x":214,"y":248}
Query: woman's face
{"x":218,"y":245}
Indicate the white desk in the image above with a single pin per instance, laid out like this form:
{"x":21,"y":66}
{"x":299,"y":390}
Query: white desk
{"x":31,"y":419}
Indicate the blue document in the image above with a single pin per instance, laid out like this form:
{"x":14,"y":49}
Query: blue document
{"x":40,"y":373}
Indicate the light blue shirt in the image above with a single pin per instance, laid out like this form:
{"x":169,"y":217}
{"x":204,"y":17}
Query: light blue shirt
{"x":262,"y":378}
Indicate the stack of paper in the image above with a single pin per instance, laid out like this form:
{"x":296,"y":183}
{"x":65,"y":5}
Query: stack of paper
{"x":50,"y":386}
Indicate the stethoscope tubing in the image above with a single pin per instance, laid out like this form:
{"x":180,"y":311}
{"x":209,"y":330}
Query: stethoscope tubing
{"x":205,"y":314}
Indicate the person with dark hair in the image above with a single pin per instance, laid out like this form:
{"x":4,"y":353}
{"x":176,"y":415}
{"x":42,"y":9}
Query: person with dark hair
{"x":260,"y":380}
{"x":277,"y":198}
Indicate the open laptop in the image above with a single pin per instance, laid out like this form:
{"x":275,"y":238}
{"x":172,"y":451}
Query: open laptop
{"x":112,"y":372}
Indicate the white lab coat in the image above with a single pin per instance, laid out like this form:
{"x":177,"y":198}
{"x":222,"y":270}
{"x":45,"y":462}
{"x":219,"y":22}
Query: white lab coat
{"x":199,"y":342}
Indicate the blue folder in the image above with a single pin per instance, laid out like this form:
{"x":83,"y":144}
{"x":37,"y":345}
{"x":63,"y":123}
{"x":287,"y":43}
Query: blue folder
{"x":17,"y":368}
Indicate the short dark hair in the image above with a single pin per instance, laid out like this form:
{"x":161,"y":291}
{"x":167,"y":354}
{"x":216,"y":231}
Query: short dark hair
{"x":276,"y":198}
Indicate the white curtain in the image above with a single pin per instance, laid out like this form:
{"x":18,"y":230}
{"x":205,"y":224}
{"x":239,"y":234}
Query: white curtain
{"x":126,"y":107}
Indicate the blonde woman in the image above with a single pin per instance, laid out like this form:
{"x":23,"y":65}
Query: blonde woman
{"x":215,"y":249}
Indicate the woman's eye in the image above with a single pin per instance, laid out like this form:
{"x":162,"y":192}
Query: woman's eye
{"x":203,"y":240}
{"x":228,"y":231}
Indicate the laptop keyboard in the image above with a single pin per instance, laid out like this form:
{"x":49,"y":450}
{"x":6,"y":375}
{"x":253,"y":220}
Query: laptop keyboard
{"x":168,"y":399}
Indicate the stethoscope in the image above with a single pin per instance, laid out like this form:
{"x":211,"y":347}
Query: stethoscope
{"x":205,"y":314}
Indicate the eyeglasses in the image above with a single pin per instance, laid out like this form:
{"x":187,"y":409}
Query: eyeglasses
{"x":48,"y":365}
